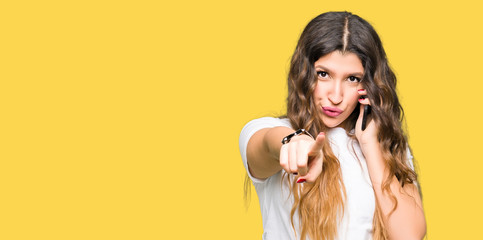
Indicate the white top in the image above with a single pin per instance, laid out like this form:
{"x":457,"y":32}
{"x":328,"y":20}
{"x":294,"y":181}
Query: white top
{"x":273,"y":193}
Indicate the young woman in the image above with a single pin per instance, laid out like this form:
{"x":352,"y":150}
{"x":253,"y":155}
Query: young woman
{"x":317,"y":173}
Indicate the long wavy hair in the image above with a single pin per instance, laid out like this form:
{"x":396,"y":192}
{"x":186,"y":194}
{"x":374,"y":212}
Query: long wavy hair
{"x":320,"y":205}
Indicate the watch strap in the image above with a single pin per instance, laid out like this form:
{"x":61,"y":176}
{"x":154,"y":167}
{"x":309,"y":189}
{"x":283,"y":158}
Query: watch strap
{"x":296,"y":133}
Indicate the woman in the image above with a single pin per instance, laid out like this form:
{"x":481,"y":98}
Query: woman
{"x":347,"y":183}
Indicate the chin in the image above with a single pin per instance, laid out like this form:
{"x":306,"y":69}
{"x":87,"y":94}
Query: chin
{"x":331,"y":124}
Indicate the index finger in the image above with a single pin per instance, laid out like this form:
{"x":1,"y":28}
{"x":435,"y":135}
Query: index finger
{"x":318,"y":145}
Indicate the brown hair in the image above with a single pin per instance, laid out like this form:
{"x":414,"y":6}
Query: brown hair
{"x":320,"y":205}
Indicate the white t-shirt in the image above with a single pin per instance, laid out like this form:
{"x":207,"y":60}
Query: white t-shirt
{"x":273,"y":193}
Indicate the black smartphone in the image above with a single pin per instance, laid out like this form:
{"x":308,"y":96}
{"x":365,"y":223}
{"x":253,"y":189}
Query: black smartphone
{"x":367,"y":111}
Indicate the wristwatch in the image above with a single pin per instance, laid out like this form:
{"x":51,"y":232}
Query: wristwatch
{"x":296,"y":133}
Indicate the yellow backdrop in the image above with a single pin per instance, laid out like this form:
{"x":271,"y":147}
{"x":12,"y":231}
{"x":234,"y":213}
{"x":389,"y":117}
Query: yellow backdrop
{"x":120,"y":119}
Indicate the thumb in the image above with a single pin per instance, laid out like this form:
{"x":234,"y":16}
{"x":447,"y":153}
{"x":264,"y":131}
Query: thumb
{"x":315,"y":169}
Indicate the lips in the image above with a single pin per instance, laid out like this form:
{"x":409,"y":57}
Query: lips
{"x":331,"y":111}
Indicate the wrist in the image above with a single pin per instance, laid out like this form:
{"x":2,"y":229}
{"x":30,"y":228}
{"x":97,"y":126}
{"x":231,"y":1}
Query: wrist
{"x":369,"y":147}
{"x":375,"y":162}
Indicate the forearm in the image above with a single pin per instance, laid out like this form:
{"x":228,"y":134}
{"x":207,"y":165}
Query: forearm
{"x":407,"y":221}
{"x":263,"y":151}
{"x":273,"y":140}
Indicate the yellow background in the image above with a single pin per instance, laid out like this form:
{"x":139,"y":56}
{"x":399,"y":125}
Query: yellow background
{"x":120,"y":119}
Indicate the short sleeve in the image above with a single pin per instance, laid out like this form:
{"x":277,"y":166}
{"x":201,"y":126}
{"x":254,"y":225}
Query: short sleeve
{"x":251,"y":128}
{"x":409,"y":159}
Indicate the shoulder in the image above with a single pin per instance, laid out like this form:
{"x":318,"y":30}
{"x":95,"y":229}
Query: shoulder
{"x":265,"y":122}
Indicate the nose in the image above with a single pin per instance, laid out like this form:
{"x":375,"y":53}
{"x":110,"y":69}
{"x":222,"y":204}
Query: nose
{"x":335,"y":93}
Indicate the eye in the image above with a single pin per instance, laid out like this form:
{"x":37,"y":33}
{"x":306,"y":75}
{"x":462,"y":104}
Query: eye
{"x":322,"y":74}
{"x":354,"y":79}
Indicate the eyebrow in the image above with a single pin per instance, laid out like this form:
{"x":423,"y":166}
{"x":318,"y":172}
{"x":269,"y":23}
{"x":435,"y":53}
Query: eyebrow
{"x":359,"y":74}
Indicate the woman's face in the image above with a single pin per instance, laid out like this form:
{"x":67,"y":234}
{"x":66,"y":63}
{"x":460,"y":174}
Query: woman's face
{"x":338,"y":79}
